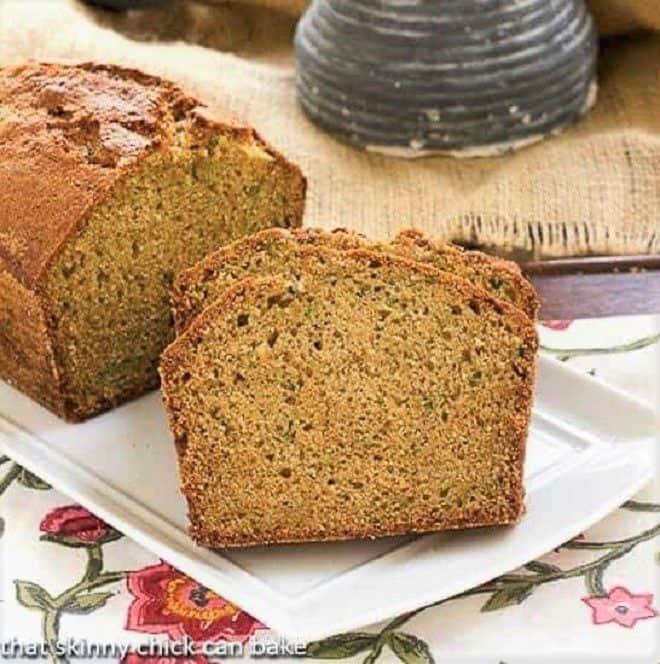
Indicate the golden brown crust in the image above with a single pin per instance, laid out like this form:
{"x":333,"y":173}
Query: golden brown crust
{"x":69,"y":134}
{"x":175,"y":355}
{"x":417,"y":237}
{"x":26,"y":354}
{"x":216,"y":540}
{"x":337,"y":238}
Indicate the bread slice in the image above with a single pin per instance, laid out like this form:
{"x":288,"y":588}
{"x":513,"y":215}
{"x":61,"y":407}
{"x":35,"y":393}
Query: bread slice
{"x":263,"y":252}
{"x":113,"y":181}
{"x":368,"y":396}
{"x":500,"y":277}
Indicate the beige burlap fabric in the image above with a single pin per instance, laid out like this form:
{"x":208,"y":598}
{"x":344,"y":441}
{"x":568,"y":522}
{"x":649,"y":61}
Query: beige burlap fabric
{"x":613,"y":16}
{"x":595,"y":189}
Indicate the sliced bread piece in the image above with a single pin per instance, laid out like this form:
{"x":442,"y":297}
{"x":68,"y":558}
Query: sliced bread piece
{"x":263,"y":252}
{"x":498,"y":276}
{"x":369,"y":396}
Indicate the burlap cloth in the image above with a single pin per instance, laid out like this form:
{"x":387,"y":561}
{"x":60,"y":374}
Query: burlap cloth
{"x":595,"y":189}
{"x":613,"y":16}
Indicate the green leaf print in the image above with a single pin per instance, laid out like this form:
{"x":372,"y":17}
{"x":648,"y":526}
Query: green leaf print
{"x":341,"y":646}
{"x":510,"y":595}
{"x":410,"y":649}
{"x":83,"y":604}
{"x":540,"y":567}
{"x":33,"y":596}
{"x":31,"y":481}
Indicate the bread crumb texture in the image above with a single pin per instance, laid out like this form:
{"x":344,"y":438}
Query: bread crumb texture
{"x":112,"y":182}
{"x":347,"y":394}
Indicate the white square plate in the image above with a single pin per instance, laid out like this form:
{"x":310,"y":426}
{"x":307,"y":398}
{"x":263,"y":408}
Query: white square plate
{"x":590,"y":448}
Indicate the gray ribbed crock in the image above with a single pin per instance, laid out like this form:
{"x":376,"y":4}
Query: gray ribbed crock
{"x":470,"y":77}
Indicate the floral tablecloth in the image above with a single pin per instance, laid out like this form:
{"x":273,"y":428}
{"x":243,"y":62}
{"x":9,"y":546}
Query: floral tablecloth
{"x":68,"y":578}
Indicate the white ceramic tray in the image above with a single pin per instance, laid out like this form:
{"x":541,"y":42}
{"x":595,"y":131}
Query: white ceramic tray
{"x":590,"y":448}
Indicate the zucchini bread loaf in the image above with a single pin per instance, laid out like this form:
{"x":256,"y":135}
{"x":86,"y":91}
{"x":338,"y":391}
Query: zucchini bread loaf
{"x":276,"y":250}
{"x":112,"y":182}
{"x":368,"y":395}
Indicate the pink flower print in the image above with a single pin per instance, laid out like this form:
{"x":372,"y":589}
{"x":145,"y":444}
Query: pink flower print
{"x":620,"y":606}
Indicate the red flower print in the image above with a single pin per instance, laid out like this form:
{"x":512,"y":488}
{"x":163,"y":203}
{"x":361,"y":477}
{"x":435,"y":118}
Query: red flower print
{"x":621,"y":607}
{"x":134,"y":658}
{"x":168,"y":602}
{"x":75,"y":526}
{"x":557,"y":325}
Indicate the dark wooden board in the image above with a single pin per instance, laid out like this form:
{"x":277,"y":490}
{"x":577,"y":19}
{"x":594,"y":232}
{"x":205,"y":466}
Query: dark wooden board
{"x":594,"y":287}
